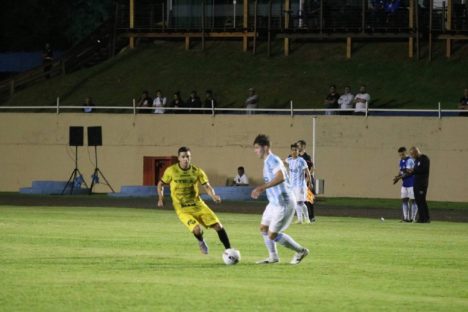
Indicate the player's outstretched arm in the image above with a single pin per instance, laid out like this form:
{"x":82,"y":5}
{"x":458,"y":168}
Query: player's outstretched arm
{"x":160,"y":194}
{"x":211,"y":192}
{"x":279,"y":178}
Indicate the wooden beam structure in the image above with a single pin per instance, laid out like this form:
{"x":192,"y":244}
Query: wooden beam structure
{"x":287,"y":12}
{"x":448,"y":26}
{"x":411,"y":27}
{"x":245,"y":24}
{"x":349,"y":47}
{"x":131,"y":39}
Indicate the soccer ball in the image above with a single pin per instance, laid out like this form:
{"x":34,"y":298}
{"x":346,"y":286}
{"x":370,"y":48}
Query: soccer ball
{"x":231,"y":256}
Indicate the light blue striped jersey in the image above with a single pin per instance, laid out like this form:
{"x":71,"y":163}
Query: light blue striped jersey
{"x":296,"y":172}
{"x":281,"y":193}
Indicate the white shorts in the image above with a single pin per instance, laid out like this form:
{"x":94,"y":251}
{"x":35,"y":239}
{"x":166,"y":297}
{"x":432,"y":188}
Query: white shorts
{"x":278,"y":218}
{"x":300,"y":193}
{"x":407,"y":192}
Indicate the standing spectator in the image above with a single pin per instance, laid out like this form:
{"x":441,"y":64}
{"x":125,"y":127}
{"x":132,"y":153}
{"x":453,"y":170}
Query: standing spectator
{"x":301,"y":145}
{"x":252,"y":101}
{"x":361,"y":101}
{"x":331,"y":101}
{"x":421,"y":183}
{"x":194,"y":102}
{"x":346,"y":101}
{"x":88,"y":105}
{"x":241,"y":178}
{"x":47,"y":60}
{"x":210,"y":101}
{"x":463,"y":103}
{"x":177,"y":103}
{"x":159,"y":103}
{"x":145,"y":101}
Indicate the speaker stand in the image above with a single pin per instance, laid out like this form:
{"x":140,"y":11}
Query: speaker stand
{"x":97,"y":172}
{"x":74,"y":175}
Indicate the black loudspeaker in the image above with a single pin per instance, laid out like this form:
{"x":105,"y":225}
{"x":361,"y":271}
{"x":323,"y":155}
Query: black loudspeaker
{"x":76,"y":136}
{"x":94,"y":136}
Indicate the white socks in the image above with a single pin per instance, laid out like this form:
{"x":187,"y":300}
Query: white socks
{"x":305,"y":212}
{"x":270,"y":245}
{"x":405,"y":211}
{"x":299,"y":210}
{"x":288,"y":242}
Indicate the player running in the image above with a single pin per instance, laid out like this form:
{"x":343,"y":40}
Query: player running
{"x":299,"y":178}
{"x":409,"y":207}
{"x":279,"y":212}
{"x":192,"y":211}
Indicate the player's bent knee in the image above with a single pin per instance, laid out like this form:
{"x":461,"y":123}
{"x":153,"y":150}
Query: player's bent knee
{"x":263,"y":228}
{"x":197,"y":230}
{"x":272,"y":235}
{"x":217,"y":226}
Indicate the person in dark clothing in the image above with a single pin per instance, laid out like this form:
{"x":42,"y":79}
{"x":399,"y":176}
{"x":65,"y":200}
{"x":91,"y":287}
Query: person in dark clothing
{"x":301,"y":145}
{"x":331,"y":101}
{"x":421,"y":183}
{"x":463,"y":103}
{"x":209,"y":101}
{"x":194,"y":102}
{"x":177,"y":103}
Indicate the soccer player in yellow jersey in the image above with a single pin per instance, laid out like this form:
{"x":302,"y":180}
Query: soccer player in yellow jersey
{"x":192,"y":211}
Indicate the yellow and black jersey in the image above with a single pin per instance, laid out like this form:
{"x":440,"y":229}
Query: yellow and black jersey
{"x":184,"y":186}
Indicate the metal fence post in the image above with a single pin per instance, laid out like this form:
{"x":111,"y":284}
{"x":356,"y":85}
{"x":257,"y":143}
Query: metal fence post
{"x":291,"y":105}
{"x":212,"y":108}
{"x":367,"y":109}
{"x":58,"y":105}
{"x":134,"y":107}
{"x":440,"y":113}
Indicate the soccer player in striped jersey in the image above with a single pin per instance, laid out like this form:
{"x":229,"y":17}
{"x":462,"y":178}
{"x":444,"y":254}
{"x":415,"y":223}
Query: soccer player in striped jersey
{"x":299,"y":178}
{"x":279,"y":212}
{"x":192,"y":211}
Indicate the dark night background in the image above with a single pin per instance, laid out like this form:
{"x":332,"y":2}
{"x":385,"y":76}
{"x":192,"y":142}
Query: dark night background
{"x":26,"y":25}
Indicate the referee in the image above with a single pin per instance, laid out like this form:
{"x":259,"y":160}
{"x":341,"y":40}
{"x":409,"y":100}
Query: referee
{"x":421,"y":182}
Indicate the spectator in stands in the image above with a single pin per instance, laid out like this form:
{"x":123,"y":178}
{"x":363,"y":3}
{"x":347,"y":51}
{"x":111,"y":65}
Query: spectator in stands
{"x":241,"y":178}
{"x":346,"y":101}
{"x":210,"y":101}
{"x":194,"y":102}
{"x":361,"y":101}
{"x":88,"y":105}
{"x":463,"y":103}
{"x":331,"y":101}
{"x":177,"y":103}
{"x":251,"y":101}
{"x":159,"y":103}
{"x":47,"y":60}
{"x":145,"y":101}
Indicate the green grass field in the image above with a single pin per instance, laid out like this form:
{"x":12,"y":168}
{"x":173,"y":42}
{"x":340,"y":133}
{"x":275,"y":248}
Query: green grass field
{"x":114,"y":259}
{"x":393,"y":80}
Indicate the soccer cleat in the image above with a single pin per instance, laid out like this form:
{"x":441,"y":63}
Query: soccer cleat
{"x":268,"y":261}
{"x":307,"y":222}
{"x":299,"y":256}
{"x":203,"y":247}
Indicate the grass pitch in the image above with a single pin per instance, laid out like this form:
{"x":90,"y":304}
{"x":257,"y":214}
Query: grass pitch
{"x":100,"y":259}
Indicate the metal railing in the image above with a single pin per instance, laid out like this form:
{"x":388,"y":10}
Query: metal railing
{"x":134,"y":109}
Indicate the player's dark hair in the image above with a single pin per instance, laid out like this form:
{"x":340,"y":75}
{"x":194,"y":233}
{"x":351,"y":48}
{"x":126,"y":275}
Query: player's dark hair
{"x":183,"y":149}
{"x":294,"y":145}
{"x":402,"y":149}
{"x":302,"y":142}
{"x":262,"y":140}
{"x":240,"y":168}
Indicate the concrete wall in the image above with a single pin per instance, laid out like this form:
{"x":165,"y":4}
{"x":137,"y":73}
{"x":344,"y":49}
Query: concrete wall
{"x":356,"y":156}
